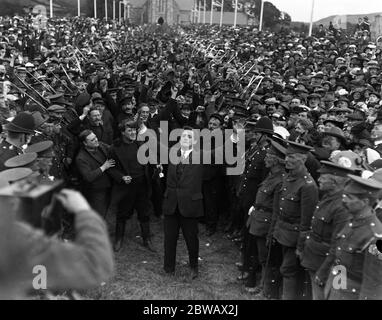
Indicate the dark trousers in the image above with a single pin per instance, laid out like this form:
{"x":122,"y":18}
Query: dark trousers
{"x":133,"y":196}
{"x":271,"y":260}
{"x":210,"y":196}
{"x":296,"y":281}
{"x":172,"y":225}
{"x":157,"y":196}
{"x":99,"y":200}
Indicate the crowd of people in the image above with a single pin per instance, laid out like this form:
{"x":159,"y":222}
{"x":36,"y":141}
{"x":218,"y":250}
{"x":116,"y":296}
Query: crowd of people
{"x":78,"y":95}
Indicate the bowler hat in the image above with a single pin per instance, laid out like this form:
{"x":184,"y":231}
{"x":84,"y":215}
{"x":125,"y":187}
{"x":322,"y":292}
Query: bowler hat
{"x":264,"y":125}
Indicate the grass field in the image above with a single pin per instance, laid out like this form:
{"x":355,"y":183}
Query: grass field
{"x":139,"y":274}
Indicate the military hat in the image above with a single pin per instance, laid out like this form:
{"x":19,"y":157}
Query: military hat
{"x":23,"y":122}
{"x":277,"y":149}
{"x":263,"y":125}
{"x":294,"y":147}
{"x":360,"y":186}
{"x":347,"y":159}
{"x":56,"y":108}
{"x":41,"y":148}
{"x":12,"y":175}
{"x":22,"y":160}
{"x":329,"y":167}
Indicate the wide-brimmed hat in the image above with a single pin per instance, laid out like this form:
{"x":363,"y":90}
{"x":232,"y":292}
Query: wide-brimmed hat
{"x":23,"y":122}
{"x":336,"y":132}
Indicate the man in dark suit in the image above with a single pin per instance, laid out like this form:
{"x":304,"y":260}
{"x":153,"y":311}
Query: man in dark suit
{"x":93,"y":164}
{"x":183,"y":202}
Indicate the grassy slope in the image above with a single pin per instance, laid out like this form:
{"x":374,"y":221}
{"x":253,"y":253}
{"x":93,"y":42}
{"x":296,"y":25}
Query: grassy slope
{"x":139,"y":273}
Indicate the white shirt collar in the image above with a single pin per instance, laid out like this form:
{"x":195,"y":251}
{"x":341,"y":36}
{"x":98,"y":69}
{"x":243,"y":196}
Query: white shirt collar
{"x":186,"y":153}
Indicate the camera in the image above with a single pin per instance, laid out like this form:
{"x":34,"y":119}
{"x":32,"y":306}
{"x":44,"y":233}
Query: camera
{"x":33,"y":201}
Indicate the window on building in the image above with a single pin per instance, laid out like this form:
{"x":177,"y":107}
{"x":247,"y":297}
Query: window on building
{"x":161,"y":5}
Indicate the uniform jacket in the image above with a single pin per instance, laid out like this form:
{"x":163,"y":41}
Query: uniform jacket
{"x":297,"y":201}
{"x":89,"y":164}
{"x":328,"y":220}
{"x":260,"y":219}
{"x":356,"y":251}
{"x":254,"y":173}
{"x":185,"y":192}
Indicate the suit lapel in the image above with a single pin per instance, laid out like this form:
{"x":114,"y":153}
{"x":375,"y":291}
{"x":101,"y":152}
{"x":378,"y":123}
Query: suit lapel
{"x":96,"y":157}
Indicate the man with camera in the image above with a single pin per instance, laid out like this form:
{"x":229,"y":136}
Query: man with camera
{"x":83,"y":264}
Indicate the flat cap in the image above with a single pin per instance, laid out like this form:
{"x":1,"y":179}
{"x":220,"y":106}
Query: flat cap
{"x":57,"y":108}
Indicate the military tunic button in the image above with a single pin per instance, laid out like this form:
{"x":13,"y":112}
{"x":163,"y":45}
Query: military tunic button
{"x":343,"y":236}
{"x":338,"y":248}
{"x":291,"y":198}
{"x":322,"y":218}
{"x":282,"y":199}
{"x":317,"y":207}
{"x":307,"y":237}
{"x":350,"y":224}
{"x":265,"y":220}
{"x":350,"y":248}
{"x":372,"y":224}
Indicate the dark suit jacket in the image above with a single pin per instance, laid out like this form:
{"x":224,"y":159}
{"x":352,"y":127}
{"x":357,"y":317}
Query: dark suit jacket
{"x":121,"y":169}
{"x":89,"y":167}
{"x":186,"y":193}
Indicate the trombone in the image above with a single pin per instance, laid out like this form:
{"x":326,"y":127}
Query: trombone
{"x":30,"y":97}
{"x":46,"y":86}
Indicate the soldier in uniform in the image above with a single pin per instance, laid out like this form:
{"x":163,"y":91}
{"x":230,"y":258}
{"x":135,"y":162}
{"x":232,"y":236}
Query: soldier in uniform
{"x":254,"y":173}
{"x":261,"y":213}
{"x":297,"y":201}
{"x":356,"y":249}
{"x":329,"y":218}
{"x":18,"y":133}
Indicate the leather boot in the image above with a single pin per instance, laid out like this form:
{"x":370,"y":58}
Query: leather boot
{"x":119,"y":235}
{"x":290,"y":288}
{"x":145,"y":230}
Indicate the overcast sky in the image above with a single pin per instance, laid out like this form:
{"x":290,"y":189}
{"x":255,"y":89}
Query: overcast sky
{"x":300,"y":9}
